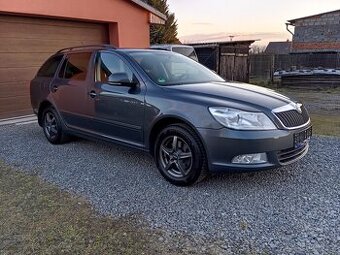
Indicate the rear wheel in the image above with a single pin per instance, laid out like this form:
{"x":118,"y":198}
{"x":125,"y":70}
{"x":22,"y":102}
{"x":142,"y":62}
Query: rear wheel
{"x":52,"y":126}
{"x":180,"y":156}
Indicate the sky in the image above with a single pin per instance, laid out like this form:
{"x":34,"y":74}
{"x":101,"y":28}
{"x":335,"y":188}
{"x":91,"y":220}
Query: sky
{"x":264,"y":20}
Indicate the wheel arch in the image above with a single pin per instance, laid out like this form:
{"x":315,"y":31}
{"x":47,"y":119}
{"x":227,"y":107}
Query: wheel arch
{"x":166,"y":121}
{"x":43,"y":105}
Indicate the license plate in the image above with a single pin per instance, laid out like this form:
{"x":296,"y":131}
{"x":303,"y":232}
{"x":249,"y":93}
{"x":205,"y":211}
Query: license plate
{"x":301,"y":138}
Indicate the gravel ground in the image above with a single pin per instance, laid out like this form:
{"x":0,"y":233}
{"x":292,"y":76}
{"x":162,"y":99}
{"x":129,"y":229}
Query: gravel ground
{"x":292,"y":210}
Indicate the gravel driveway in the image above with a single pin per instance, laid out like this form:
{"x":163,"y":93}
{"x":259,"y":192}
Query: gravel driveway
{"x":292,"y":210}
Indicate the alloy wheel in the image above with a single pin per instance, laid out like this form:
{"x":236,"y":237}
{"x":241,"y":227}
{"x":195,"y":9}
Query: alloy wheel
{"x":50,"y":125}
{"x":176,"y":156}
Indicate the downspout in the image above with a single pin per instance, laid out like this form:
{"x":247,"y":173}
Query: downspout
{"x":287,"y":27}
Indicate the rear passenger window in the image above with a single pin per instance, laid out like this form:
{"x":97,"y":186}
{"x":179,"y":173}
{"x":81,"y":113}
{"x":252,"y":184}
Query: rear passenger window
{"x":49,"y":68}
{"x":76,"y":66}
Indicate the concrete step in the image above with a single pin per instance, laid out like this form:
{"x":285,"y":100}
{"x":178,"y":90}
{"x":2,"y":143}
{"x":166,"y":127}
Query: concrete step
{"x":21,"y":120}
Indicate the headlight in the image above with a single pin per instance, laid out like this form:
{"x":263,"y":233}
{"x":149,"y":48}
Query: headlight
{"x":241,"y":120}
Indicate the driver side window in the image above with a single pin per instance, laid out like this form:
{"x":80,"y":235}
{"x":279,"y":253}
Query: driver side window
{"x":109,"y":64}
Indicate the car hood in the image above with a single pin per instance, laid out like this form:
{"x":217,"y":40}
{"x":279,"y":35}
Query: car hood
{"x":239,"y":93}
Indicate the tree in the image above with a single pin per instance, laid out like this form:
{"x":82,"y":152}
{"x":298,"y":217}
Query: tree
{"x":167,"y":33}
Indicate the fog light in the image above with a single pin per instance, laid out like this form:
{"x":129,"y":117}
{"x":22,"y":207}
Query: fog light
{"x":248,"y":159}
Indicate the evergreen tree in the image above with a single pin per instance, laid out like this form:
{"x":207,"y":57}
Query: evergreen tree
{"x":167,"y":33}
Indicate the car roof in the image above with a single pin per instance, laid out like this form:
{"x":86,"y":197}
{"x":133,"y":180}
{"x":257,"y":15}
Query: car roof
{"x":169,"y":46}
{"x":87,"y":47}
{"x":137,"y":50}
{"x":102,"y":47}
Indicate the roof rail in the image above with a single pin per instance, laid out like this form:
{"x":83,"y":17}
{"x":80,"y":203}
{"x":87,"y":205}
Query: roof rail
{"x":95,"y":46}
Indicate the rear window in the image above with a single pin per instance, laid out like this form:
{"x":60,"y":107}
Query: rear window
{"x":76,"y":66}
{"x":49,"y":68}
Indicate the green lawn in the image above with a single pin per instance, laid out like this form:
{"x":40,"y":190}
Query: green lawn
{"x":324,"y":108}
{"x":323,"y":105}
{"x":326,"y":125}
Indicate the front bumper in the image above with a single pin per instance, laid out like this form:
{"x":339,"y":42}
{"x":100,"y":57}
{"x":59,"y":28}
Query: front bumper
{"x":224,"y":144}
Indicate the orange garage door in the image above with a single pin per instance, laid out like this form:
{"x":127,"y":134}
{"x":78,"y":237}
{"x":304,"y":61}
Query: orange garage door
{"x":24,"y":45}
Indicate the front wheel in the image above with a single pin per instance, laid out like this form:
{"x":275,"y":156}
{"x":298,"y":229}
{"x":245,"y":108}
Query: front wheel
{"x":179,"y":155}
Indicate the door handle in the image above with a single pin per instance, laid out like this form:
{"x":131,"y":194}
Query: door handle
{"x":92,"y":94}
{"x":54,"y":88}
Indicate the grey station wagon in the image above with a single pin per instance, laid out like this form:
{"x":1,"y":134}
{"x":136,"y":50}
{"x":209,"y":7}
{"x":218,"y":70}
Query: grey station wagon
{"x":191,"y":120}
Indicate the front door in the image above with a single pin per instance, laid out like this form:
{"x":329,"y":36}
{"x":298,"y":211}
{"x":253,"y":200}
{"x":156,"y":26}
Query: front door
{"x":119,"y":107}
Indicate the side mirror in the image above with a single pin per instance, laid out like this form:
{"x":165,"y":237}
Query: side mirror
{"x":121,"y":79}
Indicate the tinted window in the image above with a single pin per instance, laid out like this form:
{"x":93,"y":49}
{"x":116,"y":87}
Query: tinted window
{"x":76,"y":66}
{"x":50,"y":67}
{"x":168,"y":68}
{"x":109,"y":64}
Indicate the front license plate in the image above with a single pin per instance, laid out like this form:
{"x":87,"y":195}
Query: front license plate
{"x":301,"y":138}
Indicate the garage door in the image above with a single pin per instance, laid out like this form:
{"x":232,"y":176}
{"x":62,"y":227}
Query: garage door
{"x":24,"y":45}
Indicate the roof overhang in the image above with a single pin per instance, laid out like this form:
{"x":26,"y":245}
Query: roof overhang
{"x":222,"y":43}
{"x":155,"y":16}
{"x":292,"y":21}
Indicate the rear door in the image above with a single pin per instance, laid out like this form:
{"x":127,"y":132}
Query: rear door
{"x":119,"y":109}
{"x":70,"y":90}
{"x":40,"y":84}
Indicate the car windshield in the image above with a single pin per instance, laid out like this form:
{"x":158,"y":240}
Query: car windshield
{"x":168,"y":68}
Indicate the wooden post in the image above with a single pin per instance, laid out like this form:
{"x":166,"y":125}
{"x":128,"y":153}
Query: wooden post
{"x":218,"y":59}
{"x":272,"y":67}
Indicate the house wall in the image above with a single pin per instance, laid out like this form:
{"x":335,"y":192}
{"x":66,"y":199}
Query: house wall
{"x":128,"y":23}
{"x":319,"y":33}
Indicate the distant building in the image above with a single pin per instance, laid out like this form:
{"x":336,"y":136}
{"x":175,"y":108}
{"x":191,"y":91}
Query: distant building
{"x":316,"y":33}
{"x":229,"y":59}
{"x":278,"y":48}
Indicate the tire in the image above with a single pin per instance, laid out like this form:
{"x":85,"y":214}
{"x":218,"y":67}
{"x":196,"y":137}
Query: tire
{"x":180,"y":156}
{"x":52,"y":126}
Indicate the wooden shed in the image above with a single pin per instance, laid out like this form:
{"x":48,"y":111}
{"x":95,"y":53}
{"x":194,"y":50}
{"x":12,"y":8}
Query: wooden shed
{"x":229,"y":59}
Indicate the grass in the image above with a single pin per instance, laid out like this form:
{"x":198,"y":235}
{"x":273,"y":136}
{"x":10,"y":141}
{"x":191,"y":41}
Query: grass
{"x":323,"y":105}
{"x":326,"y":125}
{"x":37,"y":218}
{"x":261,"y":82}
{"x":324,"y":108}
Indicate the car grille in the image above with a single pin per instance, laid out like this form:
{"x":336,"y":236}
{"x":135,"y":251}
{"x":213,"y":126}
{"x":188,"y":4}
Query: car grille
{"x":293,"y":118}
{"x":290,"y":155}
